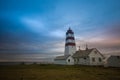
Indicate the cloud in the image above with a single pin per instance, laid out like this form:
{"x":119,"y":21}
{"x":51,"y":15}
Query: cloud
{"x":108,"y":40}
{"x":14,"y":35}
{"x":113,"y":30}
{"x":58,"y":47}
{"x":39,"y":26}
{"x":57,"y":33}
{"x":33,"y":24}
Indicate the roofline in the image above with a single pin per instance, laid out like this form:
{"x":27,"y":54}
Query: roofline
{"x":100,"y":53}
{"x":59,"y":59}
{"x":62,"y":59}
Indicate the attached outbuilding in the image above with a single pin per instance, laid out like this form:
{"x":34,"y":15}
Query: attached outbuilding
{"x":112,"y":61}
{"x":64,"y":60}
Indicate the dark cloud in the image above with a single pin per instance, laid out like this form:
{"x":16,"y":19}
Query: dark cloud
{"x":12,"y":35}
{"x":17,"y":38}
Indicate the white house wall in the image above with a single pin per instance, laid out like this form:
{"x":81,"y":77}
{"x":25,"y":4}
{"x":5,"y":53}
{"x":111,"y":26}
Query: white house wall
{"x":62,"y":62}
{"x":82,"y":61}
{"x":70,"y":61}
{"x":96,"y":55}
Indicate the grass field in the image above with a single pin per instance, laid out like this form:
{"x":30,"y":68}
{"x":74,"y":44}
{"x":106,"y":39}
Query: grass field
{"x":57,"y":72}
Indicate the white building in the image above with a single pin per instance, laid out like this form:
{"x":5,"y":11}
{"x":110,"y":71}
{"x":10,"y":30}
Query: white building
{"x":70,"y":46}
{"x":64,"y":60}
{"x":112,"y":61}
{"x":83,"y":57}
{"x":70,"y":49}
{"x":88,"y":57}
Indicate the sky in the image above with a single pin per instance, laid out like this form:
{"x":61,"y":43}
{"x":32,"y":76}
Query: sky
{"x":35,"y":29}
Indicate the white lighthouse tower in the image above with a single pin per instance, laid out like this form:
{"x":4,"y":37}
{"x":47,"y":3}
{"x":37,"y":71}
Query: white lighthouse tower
{"x":70,"y":46}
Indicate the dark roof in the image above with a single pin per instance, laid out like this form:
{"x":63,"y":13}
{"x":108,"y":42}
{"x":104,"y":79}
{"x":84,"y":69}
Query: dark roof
{"x":61,"y":57}
{"x":82,"y":53}
{"x":69,"y":31}
{"x":111,"y":56}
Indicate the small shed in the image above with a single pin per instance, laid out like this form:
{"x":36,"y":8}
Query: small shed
{"x":112,"y":61}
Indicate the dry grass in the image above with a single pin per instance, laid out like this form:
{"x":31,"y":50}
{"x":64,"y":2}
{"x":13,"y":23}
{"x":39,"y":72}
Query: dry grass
{"x":58,"y":72}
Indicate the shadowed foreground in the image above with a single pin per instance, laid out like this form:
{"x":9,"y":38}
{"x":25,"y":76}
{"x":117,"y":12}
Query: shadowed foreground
{"x":57,"y":72}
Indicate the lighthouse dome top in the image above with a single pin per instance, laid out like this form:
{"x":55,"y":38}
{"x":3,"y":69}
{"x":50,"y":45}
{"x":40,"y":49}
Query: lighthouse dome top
{"x":69,"y":31}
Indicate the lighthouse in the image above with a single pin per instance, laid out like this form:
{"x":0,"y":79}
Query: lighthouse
{"x":70,"y":46}
{"x":82,"y":57}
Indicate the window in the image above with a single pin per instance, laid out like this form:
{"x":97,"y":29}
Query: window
{"x":68,"y":60}
{"x":118,"y":57}
{"x":85,"y":58}
{"x":100,"y":59}
{"x":93,"y":59}
{"x":75,"y":60}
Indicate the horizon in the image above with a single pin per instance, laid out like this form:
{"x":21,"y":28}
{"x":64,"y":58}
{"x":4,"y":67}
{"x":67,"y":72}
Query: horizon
{"x":36,"y":28}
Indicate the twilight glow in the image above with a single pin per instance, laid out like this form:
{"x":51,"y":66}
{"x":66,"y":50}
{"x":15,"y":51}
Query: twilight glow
{"x":37,"y":27}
